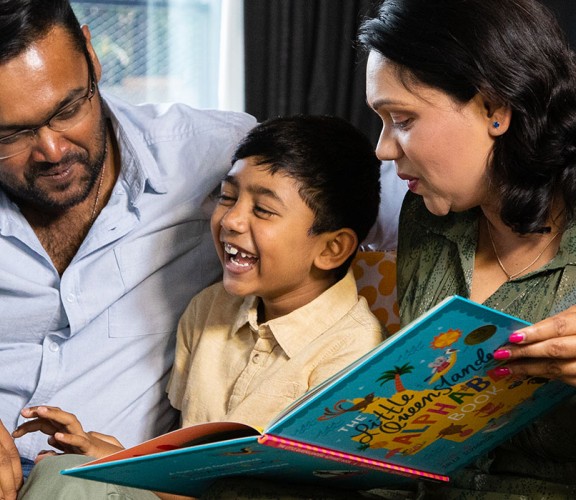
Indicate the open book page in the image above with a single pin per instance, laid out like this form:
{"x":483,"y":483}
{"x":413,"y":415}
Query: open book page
{"x":182,"y":438}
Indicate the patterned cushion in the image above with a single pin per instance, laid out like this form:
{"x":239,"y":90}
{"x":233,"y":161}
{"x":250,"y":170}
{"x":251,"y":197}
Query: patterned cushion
{"x":375,"y":274}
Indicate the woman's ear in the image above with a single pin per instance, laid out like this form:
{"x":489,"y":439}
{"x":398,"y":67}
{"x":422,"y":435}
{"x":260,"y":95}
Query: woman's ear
{"x":339,"y":245}
{"x":499,"y":118}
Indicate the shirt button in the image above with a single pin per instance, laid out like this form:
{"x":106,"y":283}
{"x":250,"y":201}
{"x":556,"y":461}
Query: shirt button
{"x":54,"y":347}
{"x":70,"y":297}
{"x":256,"y":358}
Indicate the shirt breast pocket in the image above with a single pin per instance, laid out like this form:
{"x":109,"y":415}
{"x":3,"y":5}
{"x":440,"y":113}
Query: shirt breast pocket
{"x":161,"y":272}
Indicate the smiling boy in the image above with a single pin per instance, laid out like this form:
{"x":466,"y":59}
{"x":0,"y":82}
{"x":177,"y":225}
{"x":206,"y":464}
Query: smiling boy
{"x":301,"y":194}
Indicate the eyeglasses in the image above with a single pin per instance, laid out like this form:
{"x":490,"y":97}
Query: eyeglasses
{"x":64,"y":119}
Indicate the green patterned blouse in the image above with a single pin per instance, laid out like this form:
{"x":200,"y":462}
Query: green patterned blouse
{"x":436,"y":260}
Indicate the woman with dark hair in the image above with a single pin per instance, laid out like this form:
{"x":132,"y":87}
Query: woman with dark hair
{"x":478,"y":104}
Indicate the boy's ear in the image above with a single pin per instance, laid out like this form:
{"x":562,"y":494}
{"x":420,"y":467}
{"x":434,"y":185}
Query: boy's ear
{"x":339,"y":245}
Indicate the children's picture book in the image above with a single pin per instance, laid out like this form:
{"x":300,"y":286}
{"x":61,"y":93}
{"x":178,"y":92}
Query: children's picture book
{"x":422,"y":405}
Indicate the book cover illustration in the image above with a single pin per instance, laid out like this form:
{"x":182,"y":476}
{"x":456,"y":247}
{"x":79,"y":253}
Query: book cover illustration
{"x":428,"y":398}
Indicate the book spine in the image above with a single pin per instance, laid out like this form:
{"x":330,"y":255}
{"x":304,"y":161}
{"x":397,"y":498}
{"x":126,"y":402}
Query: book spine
{"x":339,"y":456}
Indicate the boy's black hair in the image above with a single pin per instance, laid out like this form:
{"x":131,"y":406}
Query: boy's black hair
{"x":334,"y":163}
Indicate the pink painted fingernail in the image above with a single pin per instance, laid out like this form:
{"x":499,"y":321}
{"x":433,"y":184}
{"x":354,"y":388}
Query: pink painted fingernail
{"x":516,"y":338}
{"x":501,"y":354}
{"x":502,"y":371}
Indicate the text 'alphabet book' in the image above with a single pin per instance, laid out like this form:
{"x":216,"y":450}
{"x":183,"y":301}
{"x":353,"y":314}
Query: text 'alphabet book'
{"x":422,"y":405}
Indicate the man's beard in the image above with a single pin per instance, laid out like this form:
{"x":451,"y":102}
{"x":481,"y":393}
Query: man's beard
{"x":30,"y":194}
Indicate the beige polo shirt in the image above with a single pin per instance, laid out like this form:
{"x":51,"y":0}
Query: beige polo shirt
{"x":229,"y":367}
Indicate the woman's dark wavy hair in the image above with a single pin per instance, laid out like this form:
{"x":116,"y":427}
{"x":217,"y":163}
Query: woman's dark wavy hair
{"x":332,"y":161}
{"x":513,"y":53}
{"x":23,"y":22}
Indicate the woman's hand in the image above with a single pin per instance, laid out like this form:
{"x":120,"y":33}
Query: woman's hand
{"x":545,"y":349}
{"x":66,"y":432}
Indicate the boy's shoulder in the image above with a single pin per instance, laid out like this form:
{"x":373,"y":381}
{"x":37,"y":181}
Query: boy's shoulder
{"x":339,"y":305}
{"x":216,"y":290}
{"x":215,"y":298}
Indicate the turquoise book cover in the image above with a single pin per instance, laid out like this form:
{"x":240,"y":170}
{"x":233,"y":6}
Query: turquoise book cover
{"x":423,"y":404}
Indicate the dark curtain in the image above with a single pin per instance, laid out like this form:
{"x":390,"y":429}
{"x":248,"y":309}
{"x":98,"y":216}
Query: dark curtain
{"x":566,"y":13}
{"x":300,"y":58}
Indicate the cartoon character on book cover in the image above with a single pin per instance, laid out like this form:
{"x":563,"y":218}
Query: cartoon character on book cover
{"x":455,"y":400}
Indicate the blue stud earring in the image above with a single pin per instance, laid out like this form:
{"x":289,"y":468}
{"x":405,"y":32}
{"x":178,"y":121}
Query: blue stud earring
{"x":496,"y":124}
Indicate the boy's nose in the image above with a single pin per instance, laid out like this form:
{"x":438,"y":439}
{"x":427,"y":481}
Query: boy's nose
{"x":234,"y":220}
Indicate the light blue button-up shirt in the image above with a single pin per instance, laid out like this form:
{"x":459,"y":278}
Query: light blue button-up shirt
{"x":99,"y":340}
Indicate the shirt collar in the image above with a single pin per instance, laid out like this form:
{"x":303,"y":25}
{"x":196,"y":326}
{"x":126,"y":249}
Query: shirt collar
{"x":139,"y":167}
{"x":295,"y":331}
{"x":567,"y":251}
{"x":462,"y":229}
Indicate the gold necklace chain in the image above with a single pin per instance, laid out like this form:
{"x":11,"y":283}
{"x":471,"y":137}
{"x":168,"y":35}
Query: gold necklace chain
{"x":514,"y":275}
{"x":95,"y":206}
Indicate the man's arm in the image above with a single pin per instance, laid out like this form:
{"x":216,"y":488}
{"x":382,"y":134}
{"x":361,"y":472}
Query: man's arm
{"x":10,"y":469}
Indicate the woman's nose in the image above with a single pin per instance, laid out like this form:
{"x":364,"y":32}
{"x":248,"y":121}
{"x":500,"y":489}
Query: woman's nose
{"x":388,"y":147}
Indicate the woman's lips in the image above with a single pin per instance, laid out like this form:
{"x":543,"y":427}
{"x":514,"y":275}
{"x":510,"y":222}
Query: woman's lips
{"x":412,"y":181}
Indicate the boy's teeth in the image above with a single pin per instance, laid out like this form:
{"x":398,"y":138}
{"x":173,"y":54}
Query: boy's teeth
{"x":230,"y":249}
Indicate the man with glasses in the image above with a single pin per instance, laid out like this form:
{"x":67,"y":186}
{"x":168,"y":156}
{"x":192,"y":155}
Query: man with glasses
{"x":104,"y":233}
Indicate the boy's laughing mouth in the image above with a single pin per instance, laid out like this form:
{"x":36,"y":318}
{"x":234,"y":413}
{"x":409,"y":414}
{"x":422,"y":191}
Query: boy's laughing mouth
{"x":238,"y":256}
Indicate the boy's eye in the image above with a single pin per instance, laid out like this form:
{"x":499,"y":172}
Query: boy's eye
{"x":262,"y":212}
{"x":224,"y":199}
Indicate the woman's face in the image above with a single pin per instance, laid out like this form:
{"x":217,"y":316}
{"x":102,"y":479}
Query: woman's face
{"x":440,"y":147}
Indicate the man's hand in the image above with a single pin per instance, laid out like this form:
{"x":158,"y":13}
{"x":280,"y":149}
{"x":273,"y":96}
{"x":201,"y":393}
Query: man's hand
{"x":66,"y":433}
{"x":10,"y":469}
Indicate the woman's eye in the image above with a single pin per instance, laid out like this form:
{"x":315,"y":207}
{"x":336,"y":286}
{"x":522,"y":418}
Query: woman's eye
{"x":403,"y":124}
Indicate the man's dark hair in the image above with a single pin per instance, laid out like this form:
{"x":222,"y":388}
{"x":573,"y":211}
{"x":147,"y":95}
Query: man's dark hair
{"x":23,"y":22}
{"x":332,"y":161}
{"x":514,"y":54}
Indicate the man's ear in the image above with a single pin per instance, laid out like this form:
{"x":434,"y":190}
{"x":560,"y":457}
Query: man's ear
{"x":339,"y":245}
{"x":498,"y":117}
{"x":92,"y":52}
